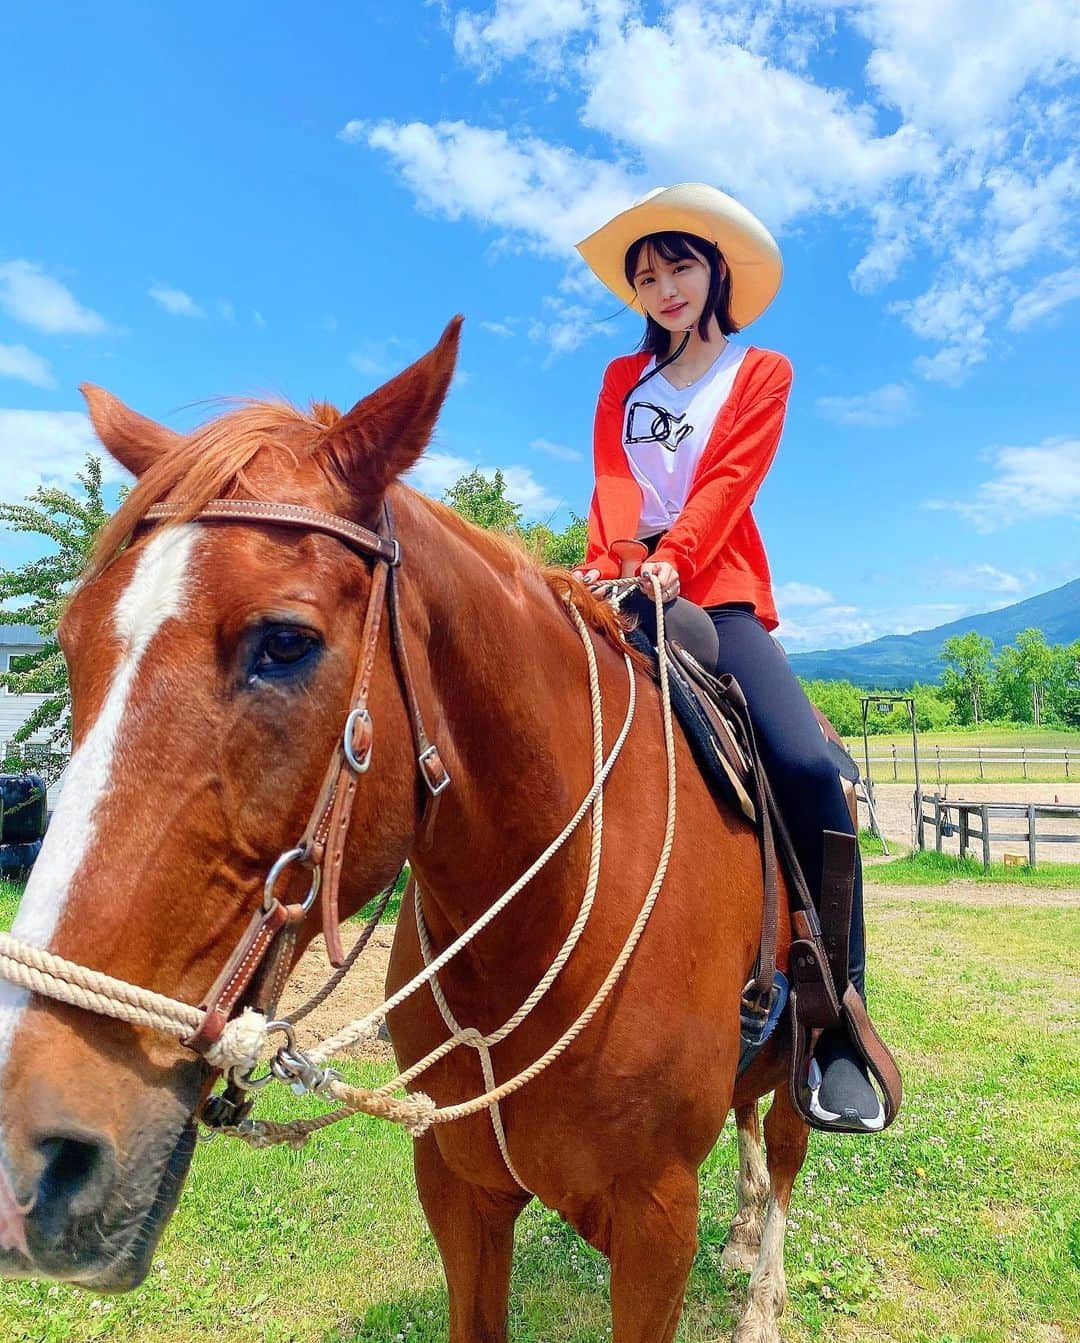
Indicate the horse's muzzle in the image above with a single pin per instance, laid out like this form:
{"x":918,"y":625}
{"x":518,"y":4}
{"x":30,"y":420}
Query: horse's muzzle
{"x":95,"y":1220}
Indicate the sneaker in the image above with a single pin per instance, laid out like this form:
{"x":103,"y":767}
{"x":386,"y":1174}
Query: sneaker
{"x":840,"y":1088}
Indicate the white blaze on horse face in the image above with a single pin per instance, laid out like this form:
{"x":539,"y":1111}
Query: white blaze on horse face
{"x":155,"y":594}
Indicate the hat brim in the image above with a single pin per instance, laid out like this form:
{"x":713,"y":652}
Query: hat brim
{"x":693,"y":207}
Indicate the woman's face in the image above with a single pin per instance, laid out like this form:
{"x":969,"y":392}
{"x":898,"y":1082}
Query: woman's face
{"x":672,"y":293}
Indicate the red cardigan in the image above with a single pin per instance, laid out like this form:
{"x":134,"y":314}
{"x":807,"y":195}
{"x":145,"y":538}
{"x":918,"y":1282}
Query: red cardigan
{"x":714,"y":542}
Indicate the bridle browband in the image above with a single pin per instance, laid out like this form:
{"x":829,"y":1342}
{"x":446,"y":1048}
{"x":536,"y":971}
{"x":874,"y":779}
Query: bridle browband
{"x":266,"y":945}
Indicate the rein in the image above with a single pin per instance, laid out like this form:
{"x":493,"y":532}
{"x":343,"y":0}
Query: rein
{"x":234,"y":1044}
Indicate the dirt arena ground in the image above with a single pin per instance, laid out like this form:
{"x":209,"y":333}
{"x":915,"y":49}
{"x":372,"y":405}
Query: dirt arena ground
{"x":896,"y":814}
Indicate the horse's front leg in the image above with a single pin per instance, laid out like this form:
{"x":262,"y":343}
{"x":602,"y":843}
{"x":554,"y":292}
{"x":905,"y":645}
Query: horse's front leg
{"x":744,"y":1236}
{"x":474,"y":1230}
{"x":786,"y":1138}
{"x":652,"y":1245}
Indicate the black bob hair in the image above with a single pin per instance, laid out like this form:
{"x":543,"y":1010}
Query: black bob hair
{"x":673,"y":246}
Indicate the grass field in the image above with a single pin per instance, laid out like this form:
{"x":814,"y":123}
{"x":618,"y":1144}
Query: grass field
{"x":960,"y":1225}
{"x":967,"y":743}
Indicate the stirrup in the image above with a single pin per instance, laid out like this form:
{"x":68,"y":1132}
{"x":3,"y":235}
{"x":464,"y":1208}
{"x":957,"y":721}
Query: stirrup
{"x":849,"y":1120}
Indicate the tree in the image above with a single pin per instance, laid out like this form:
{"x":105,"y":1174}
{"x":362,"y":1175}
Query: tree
{"x":41,"y":588}
{"x":1063,"y":686}
{"x":566,"y":549}
{"x":1036,"y":662}
{"x":483,"y":501}
{"x":1023,"y":671}
{"x":840,"y":702}
{"x":967,"y":659}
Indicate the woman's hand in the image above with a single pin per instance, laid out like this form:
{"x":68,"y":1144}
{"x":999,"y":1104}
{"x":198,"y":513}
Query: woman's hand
{"x":666,"y":575}
{"x":586,"y":576}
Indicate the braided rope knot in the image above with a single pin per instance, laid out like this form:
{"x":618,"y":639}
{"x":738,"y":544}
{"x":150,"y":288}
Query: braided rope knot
{"x":241,"y":1043}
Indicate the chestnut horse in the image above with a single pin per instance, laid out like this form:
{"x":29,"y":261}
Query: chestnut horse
{"x":211,"y":666}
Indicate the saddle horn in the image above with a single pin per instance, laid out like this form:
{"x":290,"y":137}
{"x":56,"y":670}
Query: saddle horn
{"x":631,"y":556}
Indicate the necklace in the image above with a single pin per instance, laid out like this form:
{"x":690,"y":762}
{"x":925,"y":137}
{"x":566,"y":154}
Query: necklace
{"x":685,"y":382}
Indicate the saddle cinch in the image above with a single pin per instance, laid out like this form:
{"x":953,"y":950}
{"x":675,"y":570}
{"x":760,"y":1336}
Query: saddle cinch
{"x":816,"y":993}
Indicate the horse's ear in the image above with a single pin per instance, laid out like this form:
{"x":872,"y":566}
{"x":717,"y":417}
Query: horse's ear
{"x":383,"y":435}
{"x":135,"y":441}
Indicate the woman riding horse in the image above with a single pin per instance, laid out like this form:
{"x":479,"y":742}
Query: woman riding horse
{"x":685,"y":433}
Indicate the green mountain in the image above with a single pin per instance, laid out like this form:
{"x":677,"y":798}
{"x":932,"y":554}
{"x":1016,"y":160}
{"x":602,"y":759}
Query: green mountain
{"x":896,"y":660}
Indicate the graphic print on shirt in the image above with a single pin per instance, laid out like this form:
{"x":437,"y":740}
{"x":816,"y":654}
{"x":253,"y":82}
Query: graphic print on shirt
{"x":666,"y":429}
{"x":646,"y":423}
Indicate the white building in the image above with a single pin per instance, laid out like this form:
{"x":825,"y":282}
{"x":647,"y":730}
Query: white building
{"x":16,"y":640}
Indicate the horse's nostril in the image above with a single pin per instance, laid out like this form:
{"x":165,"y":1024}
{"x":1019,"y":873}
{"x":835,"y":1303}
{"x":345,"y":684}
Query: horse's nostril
{"x":77,"y":1176}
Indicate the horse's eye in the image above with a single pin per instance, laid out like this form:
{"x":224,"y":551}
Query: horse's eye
{"x":283,"y":650}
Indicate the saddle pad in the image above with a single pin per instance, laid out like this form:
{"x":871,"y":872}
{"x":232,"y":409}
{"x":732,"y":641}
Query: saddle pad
{"x":713,"y":753}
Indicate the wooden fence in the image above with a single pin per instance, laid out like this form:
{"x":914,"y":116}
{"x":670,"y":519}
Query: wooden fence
{"x":973,"y":822}
{"x":894,"y":762}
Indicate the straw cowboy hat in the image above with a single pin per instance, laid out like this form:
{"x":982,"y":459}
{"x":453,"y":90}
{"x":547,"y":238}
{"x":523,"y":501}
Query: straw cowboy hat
{"x":693,"y":207}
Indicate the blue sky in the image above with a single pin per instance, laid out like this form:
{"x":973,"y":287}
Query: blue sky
{"x":294,"y":199}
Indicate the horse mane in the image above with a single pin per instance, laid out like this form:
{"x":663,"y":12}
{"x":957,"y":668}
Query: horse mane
{"x":212,"y":461}
{"x":514,"y":553}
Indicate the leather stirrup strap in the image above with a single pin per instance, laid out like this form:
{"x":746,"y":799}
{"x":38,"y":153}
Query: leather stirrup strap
{"x":837,"y":891}
{"x":761,"y":986}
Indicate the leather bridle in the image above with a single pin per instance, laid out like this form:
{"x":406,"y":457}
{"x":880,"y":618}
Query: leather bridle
{"x":265,"y":947}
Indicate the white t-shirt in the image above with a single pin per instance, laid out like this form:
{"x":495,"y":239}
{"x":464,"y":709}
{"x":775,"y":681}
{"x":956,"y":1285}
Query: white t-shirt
{"x":665,"y":430}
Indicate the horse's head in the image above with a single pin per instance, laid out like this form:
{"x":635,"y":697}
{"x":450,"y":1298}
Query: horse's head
{"x":210,"y":667}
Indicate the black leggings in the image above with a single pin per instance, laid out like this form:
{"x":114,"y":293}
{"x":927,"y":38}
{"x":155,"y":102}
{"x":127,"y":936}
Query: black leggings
{"x":802,"y":773}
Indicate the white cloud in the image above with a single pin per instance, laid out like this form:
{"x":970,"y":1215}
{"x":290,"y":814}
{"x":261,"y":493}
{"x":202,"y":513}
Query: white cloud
{"x":556,"y":450}
{"x":16,"y":361}
{"x":497,"y":328}
{"x":513,"y":27}
{"x":257,"y":318}
{"x":536,"y":501}
{"x":779,"y":141}
{"x":1050,"y":293}
{"x":893,"y":240}
{"x":175,"y":301}
{"x":41,"y":447}
{"x":957,"y":313}
{"x":565,"y":327}
{"x":842,"y":626}
{"x":436,"y":471}
{"x":957,"y":66}
{"x":888,"y":405}
{"x":952,"y":152}
{"x":548,"y":194}
{"x":28,"y":295}
{"x":988,"y":578}
{"x":1032,"y":482}
{"x":802,"y":594}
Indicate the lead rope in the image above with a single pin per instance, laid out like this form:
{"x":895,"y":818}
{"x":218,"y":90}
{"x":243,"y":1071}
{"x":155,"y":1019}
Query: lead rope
{"x":470,"y":1035}
{"x":240,"y":1047}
